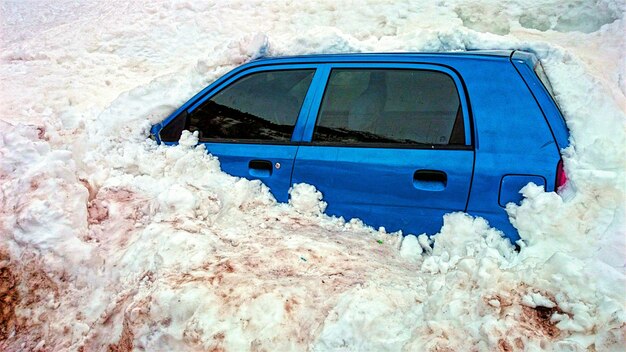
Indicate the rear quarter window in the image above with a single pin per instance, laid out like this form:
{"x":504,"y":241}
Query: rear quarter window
{"x":541,"y":74}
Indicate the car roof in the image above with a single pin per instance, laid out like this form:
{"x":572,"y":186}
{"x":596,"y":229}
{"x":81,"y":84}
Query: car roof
{"x":384,"y":56}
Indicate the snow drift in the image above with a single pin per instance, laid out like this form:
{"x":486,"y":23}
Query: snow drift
{"x":109,"y":241}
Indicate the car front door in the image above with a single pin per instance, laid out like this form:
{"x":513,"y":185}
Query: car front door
{"x":389,"y":144}
{"x":249,"y":123}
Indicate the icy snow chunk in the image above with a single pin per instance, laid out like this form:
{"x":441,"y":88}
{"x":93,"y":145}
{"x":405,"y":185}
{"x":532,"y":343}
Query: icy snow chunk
{"x":257,"y":46}
{"x":535,"y":299}
{"x":484,"y":18}
{"x":306,"y":199}
{"x":464,"y":235}
{"x":177,"y":199}
{"x":371,"y":318}
{"x":425,"y":242}
{"x":322,"y":39}
{"x":410,"y":247}
{"x":188,"y":139}
{"x":249,"y":47}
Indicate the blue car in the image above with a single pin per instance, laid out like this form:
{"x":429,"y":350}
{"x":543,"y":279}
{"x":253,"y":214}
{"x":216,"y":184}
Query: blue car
{"x":397,"y":139}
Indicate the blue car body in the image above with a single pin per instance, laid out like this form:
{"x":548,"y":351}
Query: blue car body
{"x":511,"y":133}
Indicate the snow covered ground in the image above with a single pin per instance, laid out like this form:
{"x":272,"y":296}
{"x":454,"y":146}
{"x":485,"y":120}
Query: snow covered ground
{"x":108,"y":241}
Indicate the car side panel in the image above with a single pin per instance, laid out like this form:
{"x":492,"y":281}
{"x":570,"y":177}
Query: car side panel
{"x":550,"y":109}
{"x":378,"y":186}
{"x":511,"y":133}
{"x":271,"y":164}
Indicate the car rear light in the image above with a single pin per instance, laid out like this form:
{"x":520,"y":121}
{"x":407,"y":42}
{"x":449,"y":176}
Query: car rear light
{"x":561,"y":177}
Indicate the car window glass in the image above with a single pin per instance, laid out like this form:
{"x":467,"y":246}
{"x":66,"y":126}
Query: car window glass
{"x":262,"y":106}
{"x":541,"y":73}
{"x":390,"y":106}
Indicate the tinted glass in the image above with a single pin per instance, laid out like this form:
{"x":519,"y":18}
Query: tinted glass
{"x":261,"y":106}
{"x":539,"y":71}
{"x":173,"y":130}
{"x":390,"y":106}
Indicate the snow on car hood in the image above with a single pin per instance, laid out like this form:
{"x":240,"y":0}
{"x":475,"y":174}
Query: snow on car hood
{"x":111,"y":241}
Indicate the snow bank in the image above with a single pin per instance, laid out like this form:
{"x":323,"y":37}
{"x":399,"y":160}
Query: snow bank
{"x":110,"y":241}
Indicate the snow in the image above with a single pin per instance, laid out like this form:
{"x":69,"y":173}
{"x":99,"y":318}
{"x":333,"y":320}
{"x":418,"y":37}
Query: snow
{"x":111,"y":241}
{"x":410,"y":247}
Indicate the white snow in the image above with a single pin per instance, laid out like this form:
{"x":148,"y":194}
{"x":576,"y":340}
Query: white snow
{"x":108,"y":240}
{"x":410,"y":247}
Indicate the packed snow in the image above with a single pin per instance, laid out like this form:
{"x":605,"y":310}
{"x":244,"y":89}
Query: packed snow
{"x":109,"y":241}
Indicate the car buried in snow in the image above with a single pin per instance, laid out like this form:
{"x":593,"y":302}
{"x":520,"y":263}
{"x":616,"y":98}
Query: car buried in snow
{"x":395,"y":139}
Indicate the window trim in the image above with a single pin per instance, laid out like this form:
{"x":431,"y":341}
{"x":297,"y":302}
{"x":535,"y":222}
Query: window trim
{"x":300,"y":119}
{"x":326,"y":69}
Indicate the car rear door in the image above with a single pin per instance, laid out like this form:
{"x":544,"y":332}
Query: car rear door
{"x":389,"y":144}
{"x":251,"y":123}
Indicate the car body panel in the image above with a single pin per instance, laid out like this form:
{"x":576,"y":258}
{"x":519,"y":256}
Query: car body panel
{"x":511,"y":134}
{"x":525,"y":63}
{"x":378,"y":185}
{"x":272,"y":164}
{"x":511,"y":184}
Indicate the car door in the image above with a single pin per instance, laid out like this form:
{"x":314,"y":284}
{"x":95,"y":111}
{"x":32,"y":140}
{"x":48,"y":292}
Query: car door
{"x":389,"y":144}
{"x":249,"y":123}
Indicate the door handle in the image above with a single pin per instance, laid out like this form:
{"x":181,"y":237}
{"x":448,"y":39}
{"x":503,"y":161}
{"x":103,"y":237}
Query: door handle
{"x":260,"y":168}
{"x":430,"y":180}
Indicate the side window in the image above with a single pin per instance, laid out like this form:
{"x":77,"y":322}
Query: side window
{"x":541,"y":73}
{"x":397,"y":106}
{"x":262,"y":106}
